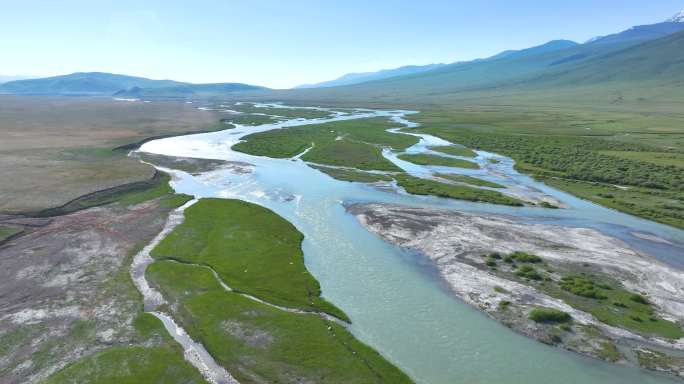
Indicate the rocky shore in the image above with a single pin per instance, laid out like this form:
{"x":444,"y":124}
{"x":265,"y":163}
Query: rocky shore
{"x":476,"y":256}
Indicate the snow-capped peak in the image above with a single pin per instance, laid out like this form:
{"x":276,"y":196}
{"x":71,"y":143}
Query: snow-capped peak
{"x":678,"y":18}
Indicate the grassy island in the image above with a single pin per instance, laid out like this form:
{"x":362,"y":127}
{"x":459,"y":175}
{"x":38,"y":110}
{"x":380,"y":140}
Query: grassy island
{"x":257,"y":252}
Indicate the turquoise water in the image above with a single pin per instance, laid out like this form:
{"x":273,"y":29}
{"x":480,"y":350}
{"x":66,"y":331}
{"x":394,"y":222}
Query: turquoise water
{"x":395,"y":299}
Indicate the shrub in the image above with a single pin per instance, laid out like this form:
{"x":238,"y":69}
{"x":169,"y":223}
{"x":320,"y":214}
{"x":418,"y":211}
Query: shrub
{"x":528,"y":272}
{"x":581,"y":286}
{"x":637,"y":298}
{"x":549,"y":315}
{"x":524,"y":257}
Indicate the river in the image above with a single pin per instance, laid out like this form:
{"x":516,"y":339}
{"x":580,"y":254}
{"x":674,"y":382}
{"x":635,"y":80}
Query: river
{"x":395,"y":299}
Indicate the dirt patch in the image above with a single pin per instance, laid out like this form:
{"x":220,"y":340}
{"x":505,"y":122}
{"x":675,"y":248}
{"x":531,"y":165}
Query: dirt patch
{"x":65,"y":291}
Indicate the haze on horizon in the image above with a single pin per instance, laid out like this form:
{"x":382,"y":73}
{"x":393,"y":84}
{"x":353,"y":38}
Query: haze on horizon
{"x":281,"y":45}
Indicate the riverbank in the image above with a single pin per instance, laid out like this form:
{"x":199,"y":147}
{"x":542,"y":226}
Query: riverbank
{"x":470,"y":253}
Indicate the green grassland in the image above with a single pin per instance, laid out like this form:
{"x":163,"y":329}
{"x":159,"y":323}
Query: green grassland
{"x":353,"y":143}
{"x":426,"y":159}
{"x":658,"y":158}
{"x":664,"y":206}
{"x":469,"y":180}
{"x":454,"y":150}
{"x":257,"y":343}
{"x":418,"y":186}
{"x":251,"y":248}
{"x":586,"y":154}
{"x":255,"y":251}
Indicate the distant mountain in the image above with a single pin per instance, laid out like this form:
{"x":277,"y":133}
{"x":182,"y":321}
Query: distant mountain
{"x":551,"y":46}
{"x":356,"y":78}
{"x":5,"y":79}
{"x":658,"y":62}
{"x":359,"y":78}
{"x":99,"y":83}
{"x":678,"y":18}
{"x":621,"y":63}
{"x":642,"y":33}
{"x":81,"y":83}
{"x":188,"y":90}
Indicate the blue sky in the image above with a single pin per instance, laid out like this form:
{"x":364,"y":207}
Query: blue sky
{"x":286,"y":43}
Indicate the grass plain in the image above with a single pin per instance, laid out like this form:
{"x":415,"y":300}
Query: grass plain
{"x":625,"y":160}
{"x":55,"y":149}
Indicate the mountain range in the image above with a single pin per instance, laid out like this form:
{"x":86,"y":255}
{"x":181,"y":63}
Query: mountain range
{"x":617,"y":64}
{"x":356,"y":78}
{"x":643,"y":59}
{"x":100,"y":84}
{"x":523,"y":61}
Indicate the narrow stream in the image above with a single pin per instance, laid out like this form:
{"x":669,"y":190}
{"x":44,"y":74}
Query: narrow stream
{"x":397,"y":303}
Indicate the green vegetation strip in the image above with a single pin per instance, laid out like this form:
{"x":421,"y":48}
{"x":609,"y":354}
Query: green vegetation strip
{"x":251,"y":248}
{"x":469,"y":180}
{"x":352,"y":143}
{"x":250,"y":120}
{"x":127,"y":194}
{"x":418,"y":186}
{"x":7,"y":231}
{"x":454,"y":150}
{"x":352,"y":175}
{"x":289,"y":113}
{"x":424,"y":159}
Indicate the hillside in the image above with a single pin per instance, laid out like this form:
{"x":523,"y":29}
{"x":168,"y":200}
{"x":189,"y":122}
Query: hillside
{"x":561,"y":71}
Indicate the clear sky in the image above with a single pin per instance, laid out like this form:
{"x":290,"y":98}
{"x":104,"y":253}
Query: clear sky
{"x":281,"y":43}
